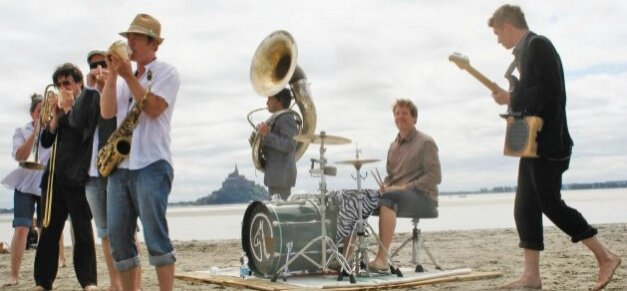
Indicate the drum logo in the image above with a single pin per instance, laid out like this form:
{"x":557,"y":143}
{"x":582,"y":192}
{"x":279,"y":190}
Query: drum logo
{"x":262,"y":242}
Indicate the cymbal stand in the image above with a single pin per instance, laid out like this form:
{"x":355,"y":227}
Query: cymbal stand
{"x":360,"y":229}
{"x":325,"y":240}
{"x":361,"y":252}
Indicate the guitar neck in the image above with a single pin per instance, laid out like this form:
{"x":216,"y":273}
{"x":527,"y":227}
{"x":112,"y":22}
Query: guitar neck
{"x":485,"y":81}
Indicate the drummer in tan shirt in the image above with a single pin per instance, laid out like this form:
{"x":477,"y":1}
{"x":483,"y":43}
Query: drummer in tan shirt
{"x":413,"y":169}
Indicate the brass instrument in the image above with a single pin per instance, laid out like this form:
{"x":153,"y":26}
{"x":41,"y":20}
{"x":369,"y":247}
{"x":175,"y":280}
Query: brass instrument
{"x":118,"y":145}
{"x":48,"y":106}
{"x":47,"y":199}
{"x":272,"y":68}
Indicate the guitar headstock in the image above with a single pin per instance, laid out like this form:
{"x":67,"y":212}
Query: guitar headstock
{"x":460,"y":60}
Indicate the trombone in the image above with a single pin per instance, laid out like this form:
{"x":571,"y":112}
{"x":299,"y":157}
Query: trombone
{"x":45,"y":115}
{"x":48,"y":108}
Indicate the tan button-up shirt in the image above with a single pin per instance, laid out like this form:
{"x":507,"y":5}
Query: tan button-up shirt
{"x":413,"y":162}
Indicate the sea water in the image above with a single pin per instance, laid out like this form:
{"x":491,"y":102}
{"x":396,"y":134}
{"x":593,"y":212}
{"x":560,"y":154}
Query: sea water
{"x":457,"y":212}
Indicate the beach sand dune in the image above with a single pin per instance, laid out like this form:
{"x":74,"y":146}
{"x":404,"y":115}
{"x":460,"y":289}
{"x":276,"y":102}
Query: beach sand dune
{"x":564,"y":265}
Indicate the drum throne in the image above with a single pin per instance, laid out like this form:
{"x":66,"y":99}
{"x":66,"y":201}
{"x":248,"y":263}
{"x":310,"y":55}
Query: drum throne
{"x":416,"y":213}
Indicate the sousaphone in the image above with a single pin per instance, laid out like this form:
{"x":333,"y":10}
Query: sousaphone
{"x":273,"y":67}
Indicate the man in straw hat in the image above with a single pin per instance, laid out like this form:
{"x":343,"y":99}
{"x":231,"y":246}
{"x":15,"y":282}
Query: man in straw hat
{"x":140,"y":186}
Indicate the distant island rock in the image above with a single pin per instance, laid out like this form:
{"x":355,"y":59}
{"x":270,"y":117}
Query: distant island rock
{"x":235,"y":189}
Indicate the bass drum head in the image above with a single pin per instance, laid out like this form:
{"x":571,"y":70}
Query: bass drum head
{"x":258,"y":241}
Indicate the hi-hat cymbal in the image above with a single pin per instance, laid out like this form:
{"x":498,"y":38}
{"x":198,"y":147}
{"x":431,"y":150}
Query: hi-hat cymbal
{"x":319,"y":138}
{"x":357,"y":162}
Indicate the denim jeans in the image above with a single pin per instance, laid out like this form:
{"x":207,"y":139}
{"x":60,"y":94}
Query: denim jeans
{"x":142,"y":194}
{"x":24,"y":208}
{"x":96,"y":190}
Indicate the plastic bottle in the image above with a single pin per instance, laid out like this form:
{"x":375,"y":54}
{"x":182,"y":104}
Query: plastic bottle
{"x":244,"y":270}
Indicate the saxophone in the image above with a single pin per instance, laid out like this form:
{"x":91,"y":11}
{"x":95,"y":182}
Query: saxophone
{"x":118,"y":145}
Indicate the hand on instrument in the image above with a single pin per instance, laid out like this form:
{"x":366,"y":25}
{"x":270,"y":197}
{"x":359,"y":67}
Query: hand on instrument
{"x":263,"y":128}
{"x":119,"y":66}
{"x":501,"y":96}
{"x":96,"y":78}
{"x":66,"y":100}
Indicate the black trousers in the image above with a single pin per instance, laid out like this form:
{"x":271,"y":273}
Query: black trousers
{"x":72,"y":201}
{"x":539,"y":192}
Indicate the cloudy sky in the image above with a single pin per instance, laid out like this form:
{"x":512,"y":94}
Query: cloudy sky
{"x":359,"y":57}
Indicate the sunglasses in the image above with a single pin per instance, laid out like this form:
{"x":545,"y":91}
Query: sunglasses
{"x":94,"y":65}
{"x":63,"y":83}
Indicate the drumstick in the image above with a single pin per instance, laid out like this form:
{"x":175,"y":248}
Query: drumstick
{"x":379,"y":175}
{"x":376,"y":178}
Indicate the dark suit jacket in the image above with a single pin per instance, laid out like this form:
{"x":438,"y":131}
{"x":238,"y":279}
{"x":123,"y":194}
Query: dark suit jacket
{"x":279,"y":147}
{"x":75,"y":133}
{"x":542,"y":92}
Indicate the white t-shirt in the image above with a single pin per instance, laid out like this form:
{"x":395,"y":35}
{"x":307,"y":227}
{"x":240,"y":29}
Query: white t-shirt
{"x":151,"y":137}
{"x":25,"y":180}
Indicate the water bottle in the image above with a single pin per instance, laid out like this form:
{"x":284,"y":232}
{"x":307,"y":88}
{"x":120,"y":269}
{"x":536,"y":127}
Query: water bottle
{"x":244,"y":270}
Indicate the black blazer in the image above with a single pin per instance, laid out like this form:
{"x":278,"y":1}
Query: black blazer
{"x":75,"y":136}
{"x":542,"y":92}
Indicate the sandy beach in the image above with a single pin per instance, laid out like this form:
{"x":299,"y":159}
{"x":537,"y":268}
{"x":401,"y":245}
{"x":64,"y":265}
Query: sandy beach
{"x":564,"y":265}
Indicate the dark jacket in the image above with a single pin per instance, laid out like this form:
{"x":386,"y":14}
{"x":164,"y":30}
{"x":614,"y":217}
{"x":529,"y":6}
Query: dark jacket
{"x":279,"y":148}
{"x":542,"y":92}
{"x":75,"y":133}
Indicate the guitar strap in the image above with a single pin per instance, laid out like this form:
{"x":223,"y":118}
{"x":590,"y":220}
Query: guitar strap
{"x":510,"y":69}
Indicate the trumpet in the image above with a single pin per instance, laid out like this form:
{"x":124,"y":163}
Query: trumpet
{"x":48,"y":107}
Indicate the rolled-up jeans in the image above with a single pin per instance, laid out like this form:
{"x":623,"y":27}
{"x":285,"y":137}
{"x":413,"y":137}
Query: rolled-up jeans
{"x":96,"y":190}
{"x":140,"y":193}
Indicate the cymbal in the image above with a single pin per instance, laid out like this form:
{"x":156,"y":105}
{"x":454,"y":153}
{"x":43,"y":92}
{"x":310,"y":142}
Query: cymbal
{"x":357,"y":162}
{"x":319,"y":138}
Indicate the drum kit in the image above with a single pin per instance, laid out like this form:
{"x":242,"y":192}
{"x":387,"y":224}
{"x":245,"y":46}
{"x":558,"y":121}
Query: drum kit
{"x":281,"y":237}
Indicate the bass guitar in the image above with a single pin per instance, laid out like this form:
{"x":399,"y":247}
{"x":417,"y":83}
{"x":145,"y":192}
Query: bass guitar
{"x":522,"y":131}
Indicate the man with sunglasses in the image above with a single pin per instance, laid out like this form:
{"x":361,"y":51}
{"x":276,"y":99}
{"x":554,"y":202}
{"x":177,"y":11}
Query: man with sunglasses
{"x":70,"y":134}
{"x":97,"y":70}
{"x":96,"y":187}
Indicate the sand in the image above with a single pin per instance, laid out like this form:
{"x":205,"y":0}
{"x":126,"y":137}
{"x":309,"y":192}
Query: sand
{"x":564,"y":265}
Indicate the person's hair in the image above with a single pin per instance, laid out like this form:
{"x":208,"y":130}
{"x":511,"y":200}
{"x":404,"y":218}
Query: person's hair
{"x":66,"y":70}
{"x":34,"y":100}
{"x":406,"y":103}
{"x":511,"y":13}
{"x":285,"y":97}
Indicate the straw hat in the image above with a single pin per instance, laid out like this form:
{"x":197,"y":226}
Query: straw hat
{"x":146,"y":25}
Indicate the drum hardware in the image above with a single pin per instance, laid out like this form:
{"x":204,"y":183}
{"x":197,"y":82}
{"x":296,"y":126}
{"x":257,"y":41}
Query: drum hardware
{"x":325,"y":240}
{"x":286,"y":269}
{"x":361,"y":226}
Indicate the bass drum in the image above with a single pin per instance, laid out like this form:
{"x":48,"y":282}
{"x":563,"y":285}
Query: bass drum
{"x":268,"y":228}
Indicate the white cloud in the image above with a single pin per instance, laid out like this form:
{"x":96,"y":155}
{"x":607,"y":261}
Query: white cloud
{"x":359,"y":56}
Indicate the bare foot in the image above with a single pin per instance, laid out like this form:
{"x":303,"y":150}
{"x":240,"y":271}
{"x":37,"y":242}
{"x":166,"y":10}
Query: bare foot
{"x":522,"y":283}
{"x":606,"y":271}
{"x":10,"y":283}
{"x":91,"y":288}
{"x":62,"y":263}
{"x":38,"y":288}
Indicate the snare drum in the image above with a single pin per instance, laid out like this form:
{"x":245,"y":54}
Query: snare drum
{"x":269,"y":228}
